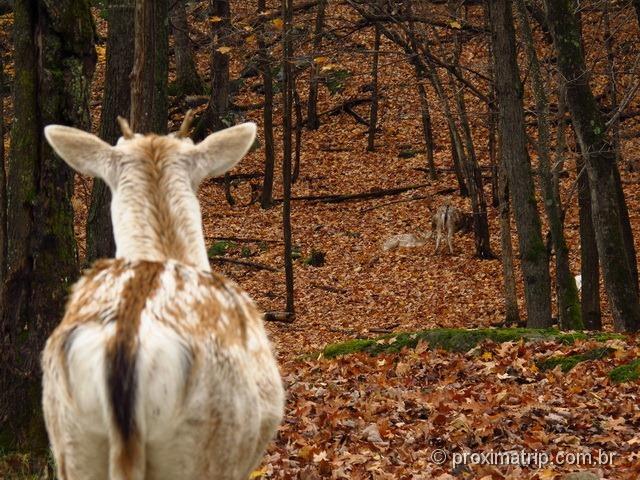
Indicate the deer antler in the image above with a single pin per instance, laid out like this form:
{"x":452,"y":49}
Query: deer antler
{"x":186,"y":125}
{"x":125,"y":128}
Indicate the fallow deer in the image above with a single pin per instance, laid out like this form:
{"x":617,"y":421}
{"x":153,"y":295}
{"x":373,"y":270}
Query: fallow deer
{"x":451,"y":219}
{"x":160,"y":369}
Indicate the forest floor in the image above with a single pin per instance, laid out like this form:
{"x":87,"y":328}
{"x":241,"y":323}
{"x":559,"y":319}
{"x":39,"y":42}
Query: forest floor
{"x":383,"y":417}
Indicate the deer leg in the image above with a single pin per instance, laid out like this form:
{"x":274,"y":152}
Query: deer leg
{"x":438,"y":238}
{"x":450,"y":240}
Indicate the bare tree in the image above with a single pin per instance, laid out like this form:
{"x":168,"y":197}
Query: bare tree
{"x":607,"y":201}
{"x":373,"y":114}
{"x":534,"y":259}
{"x":567,"y":293}
{"x":266,"y":197}
{"x":313,"y":121}
{"x":288,"y":87}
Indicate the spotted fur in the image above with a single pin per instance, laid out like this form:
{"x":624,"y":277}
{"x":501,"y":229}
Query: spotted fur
{"x":450,"y":219}
{"x":160,"y":369}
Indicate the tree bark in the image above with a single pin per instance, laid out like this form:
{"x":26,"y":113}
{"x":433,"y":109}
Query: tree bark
{"x":313,"y":120}
{"x":568,"y":301}
{"x":297,"y":104}
{"x":512,"y":314}
{"x":589,"y":265}
{"x":470,"y":163}
{"x":427,"y":130}
{"x":188,"y":81}
{"x":606,"y":200}
{"x":266,"y":197}
{"x":116,"y":101}
{"x":54,"y":61}
{"x":288,"y":80}
{"x":3,"y":185}
{"x":509,"y":91}
{"x":373,"y":115}
{"x":151,"y":66}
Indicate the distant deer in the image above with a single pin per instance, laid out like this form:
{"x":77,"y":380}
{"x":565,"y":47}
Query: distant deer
{"x":451,"y":219}
{"x":160,"y":369}
{"x":406,"y":240}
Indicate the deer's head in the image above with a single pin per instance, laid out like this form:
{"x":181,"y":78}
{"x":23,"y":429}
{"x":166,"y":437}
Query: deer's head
{"x":154,"y":181}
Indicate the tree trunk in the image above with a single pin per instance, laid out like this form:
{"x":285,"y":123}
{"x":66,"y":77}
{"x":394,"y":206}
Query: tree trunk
{"x":299,"y":125}
{"x":373,"y":115}
{"x":54,"y":61}
{"x":636,"y":7}
{"x":3,"y":185}
{"x":266,"y":197}
{"x":427,"y":130}
{"x":512,"y":314}
{"x":188,"y":81}
{"x":567,"y":293}
{"x":589,"y":265}
{"x":455,"y":161}
{"x":425,"y":114}
{"x":116,"y":101}
{"x":287,"y":48}
{"x":606,"y":199}
{"x":313,"y":121}
{"x":470,"y":163}
{"x":150,"y":68}
{"x":509,"y":90}
{"x":492,"y":121}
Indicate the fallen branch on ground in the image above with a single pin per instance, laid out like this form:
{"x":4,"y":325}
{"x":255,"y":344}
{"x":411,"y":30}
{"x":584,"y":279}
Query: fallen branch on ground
{"x":357,"y":196}
{"x":245,"y":263}
{"x":245,"y":240}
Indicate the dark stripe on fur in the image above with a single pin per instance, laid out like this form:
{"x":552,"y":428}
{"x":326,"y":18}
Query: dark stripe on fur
{"x":123,"y":351}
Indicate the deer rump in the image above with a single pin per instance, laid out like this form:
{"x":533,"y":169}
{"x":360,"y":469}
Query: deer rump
{"x":163,"y":367}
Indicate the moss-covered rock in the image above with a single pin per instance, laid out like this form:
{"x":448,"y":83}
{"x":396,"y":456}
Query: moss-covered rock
{"x":567,"y":362}
{"x":456,"y":339}
{"x":626,"y":373}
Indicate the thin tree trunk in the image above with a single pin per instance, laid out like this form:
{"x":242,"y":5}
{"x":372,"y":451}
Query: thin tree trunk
{"x":150,"y":68}
{"x":221,"y":32}
{"x":455,"y":161}
{"x":266,"y":197}
{"x":116,"y":101}
{"x":589,"y":265}
{"x":425,"y":114}
{"x":427,"y":131}
{"x":3,"y":185}
{"x":533,"y":253}
{"x":636,"y":7}
{"x":470,"y":161}
{"x":567,"y":293}
{"x":607,"y":202}
{"x":299,"y":124}
{"x":54,"y":61}
{"x":373,"y":115}
{"x":287,"y":47}
{"x":492,"y":121}
{"x":313,"y":121}
{"x":512,"y":314}
{"x":188,"y":80}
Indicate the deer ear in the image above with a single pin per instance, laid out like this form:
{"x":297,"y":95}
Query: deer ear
{"x":82,"y":151}
{"x":221,"y":151}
